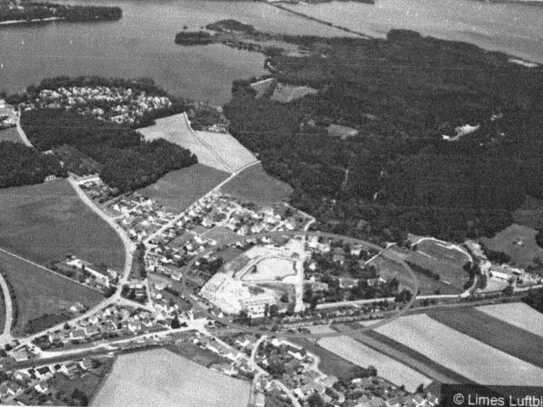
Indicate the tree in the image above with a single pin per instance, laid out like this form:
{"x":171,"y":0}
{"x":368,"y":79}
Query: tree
{"x":315,"y":400}
{"x":176,"y":324}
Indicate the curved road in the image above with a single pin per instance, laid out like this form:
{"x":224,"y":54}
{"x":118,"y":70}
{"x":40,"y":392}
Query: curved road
{"x":129,"y":249}
{"x":5,"y":336}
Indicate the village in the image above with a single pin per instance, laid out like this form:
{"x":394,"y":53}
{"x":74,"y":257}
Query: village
{"x":116,"y":103}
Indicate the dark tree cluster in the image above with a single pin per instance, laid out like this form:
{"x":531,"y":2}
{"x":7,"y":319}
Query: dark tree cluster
{"x":402,"y":94}
{"x":127,"y":162}
{"x":37,"y":11}
{"x":22,"y":165}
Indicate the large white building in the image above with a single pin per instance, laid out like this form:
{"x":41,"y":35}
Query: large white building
{"x":232,"y":296}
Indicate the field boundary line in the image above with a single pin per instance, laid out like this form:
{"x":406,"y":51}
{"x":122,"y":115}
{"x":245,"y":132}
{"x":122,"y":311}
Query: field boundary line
{"x":7,"y":252}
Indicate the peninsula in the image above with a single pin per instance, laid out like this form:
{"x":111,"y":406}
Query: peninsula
{"x":27,"y":12}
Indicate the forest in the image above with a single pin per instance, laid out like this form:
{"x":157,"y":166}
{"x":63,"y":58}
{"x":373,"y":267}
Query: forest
{"x":36,"y":11}
{"x":126,"y":161}
{"x":22,"y":165}
{"x":402,"y":94}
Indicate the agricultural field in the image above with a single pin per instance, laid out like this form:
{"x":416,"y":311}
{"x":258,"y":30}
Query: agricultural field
{"x":46,"y":222}
{"x":10,"y":134}
{"x":231,"y":151}
{"x":517,"y":314}
{"x":255,"y":185}
{"x":220,"y":151}
{"x":39,"y":292}
{"x":408,"y":357}
{"x":460,"y":353}
{"x":518,"y":242}
{"x":494,"y":332}
{"x":179,"y":189}
{"x":364,"y":356}
{"x":160,"y":378}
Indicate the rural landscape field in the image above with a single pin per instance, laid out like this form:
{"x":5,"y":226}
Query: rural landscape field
{"x":276,"y":203}
{"x":42,"y":298}
{"x":163,"y":378}
{"x":47,"y":222}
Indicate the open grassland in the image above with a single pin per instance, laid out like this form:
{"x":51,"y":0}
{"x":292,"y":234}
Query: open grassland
{"x":254,"y":184}
{"x":10,"y":134}
{"x":364,"y":356}
{"x":39,"y":292}
{"x":221,"y":235}
{"x":518,"y":314}
{"x":330,"y":363}
{"x":231,"y":151}
{"x":160,"y":378}
{"x":460,"y":353}
{"x":46,"y":222}
{"x":179,"y":189}
{"x":518,"y":242}
{"x":498,"y":334}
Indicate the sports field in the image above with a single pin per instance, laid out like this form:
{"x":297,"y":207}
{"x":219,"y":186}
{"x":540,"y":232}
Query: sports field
{"x":364,"y":356}
{"x":39,"y":292}
{"x":518,"y":314}
{"x":518,"y":242}
{"x":254,"y":184}
{"x":271,"y":269}
{"x":160,"y":378}
{"x":179,"y":189}
{"x":494,"y":332}
{"x":440,"y":251}
{"x":460,"y":353}
{"x":46,"y":222}
{"x":10,"y":134}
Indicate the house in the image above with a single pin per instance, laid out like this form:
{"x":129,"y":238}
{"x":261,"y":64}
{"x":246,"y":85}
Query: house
{"x":342,"y":132}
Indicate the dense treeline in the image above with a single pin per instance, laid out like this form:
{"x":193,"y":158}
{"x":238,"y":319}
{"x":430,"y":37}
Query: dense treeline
{"x":22,"y":165}
{"x":402,"y":94}
{"x":127,"y":162}
{"x":38,"y":11}
{"x":193,"y":38}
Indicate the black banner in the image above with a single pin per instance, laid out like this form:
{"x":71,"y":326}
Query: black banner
{"x":471,"y":395}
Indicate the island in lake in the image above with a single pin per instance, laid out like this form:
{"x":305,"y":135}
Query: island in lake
{"x":24,"y":12}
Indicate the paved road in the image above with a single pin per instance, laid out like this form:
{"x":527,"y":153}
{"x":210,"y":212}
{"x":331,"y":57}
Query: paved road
{"x":116,"y":297}
{"x":215,"y":189}
{"x":5,"y":336}
{"x":21,"y":132}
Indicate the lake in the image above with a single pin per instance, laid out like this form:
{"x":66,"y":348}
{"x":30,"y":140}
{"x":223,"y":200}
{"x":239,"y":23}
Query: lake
{"x":141,"y":43}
